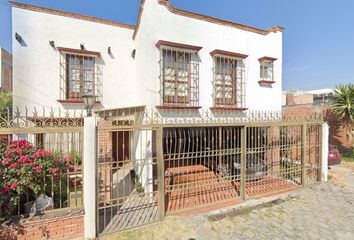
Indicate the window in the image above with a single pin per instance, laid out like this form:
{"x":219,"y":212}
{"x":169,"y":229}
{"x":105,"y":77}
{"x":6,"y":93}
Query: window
{"x":179,"y":75}
{"x":266,"y":69}
{"x":176,"y":77}
{"x":228,"y":81}
{"x":80,"y":76}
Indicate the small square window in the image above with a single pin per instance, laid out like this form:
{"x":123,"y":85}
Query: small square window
{"x":266,"y":71}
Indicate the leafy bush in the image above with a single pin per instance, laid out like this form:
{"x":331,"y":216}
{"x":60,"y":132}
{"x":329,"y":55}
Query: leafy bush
{"x":25,"y":169}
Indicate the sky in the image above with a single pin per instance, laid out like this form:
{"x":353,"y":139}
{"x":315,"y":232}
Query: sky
{"x":318,"y":42}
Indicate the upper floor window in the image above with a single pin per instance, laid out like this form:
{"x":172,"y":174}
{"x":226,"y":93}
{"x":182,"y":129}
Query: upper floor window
{"x":228,"y":80}
{"x":79,"y":74}
{"x":266,"y":69}
{"x":179,"y":75}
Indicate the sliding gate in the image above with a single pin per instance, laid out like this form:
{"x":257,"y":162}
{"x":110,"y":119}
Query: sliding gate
{"x":147,"y":172}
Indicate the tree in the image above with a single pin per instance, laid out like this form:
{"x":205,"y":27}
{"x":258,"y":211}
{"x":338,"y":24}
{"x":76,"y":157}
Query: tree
{"x":5,"y":103}
{"x":343,"y":107}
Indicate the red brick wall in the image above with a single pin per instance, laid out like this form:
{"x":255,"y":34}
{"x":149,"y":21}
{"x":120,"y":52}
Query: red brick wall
{"x":6,"y":74}
{"x":65,"y":226}
{"x":337,"y":134}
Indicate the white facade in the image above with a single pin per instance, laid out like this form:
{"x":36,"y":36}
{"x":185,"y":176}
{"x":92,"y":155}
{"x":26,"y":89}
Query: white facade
{"x":128,"y":81}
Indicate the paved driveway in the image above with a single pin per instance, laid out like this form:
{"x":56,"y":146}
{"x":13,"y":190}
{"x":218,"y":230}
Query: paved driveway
{"x":324,"y":211}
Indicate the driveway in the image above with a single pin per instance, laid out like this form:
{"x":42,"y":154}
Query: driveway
{"x":324,"y":211}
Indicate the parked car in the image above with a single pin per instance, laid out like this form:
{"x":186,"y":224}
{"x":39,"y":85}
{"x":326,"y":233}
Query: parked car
{"x":333,"y":155}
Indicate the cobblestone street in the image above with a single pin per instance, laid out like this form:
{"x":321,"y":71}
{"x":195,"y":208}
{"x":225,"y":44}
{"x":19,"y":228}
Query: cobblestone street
{"x":324,"y":211}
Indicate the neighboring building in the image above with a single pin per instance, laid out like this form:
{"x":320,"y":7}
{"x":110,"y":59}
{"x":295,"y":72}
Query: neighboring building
{"x":298,"y":97}
{"x":318,"y":101}
{"x":322,"y":95}
{"x":170,"y":59}
{"x":5,"y":71}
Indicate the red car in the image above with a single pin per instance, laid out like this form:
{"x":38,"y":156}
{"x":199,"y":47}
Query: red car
{"x":333,"y":155}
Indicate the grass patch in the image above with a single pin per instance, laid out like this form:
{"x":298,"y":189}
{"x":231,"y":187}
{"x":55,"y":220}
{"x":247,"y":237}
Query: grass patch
{"x":348,"y":159}
{"x":348,"y":155}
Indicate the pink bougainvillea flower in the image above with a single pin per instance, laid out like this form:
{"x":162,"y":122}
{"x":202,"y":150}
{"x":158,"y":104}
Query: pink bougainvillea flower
{"x":6,"y":161}
{"x":18,"y":151}
{"x":24,"y":159}
{"x":72,"y":169}
{"x":53,"y":170}
{"x":68,"y":160}
{"x":5,"y":189}
{"x":41,"y":153}
{"x":13,"y":165}
{"x":14,"y":185}
{"x":38,"y":169}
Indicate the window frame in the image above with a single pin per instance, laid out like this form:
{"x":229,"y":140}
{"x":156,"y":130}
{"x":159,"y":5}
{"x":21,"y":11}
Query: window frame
{"x":92,"y":71}
{"x":224,"y":100}
{"x":176,"y":98}
{"x":266,"y":62}
{"x":182,"y":62}
{"x":74,"y":95}
{"x":237,"y":60}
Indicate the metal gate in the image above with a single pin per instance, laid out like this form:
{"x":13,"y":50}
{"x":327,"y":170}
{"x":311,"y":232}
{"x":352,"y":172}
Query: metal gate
{"x":126,"y":177}
{"x":147,"y":168}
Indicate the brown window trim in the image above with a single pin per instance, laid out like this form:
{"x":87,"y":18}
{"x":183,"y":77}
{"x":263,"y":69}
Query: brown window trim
{"x":228,"y":108}
{"x":177,"y":107}
{"x":177,"y":45}
{"x":267,"y":59}
{"x":266,"y":82}
{"x":78,"y":51}
{"x":180,"y":100}
{"x":72,"y":95}
{"x":74,"y":101}
{"x":270,"y":59}
{"x":227,"y":54}
{"x":223,"y":101}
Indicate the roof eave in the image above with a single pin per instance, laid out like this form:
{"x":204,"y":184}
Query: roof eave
{"x":15,"y":4}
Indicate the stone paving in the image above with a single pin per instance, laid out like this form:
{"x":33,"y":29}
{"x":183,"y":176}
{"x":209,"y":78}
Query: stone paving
{"x":324,"y":211}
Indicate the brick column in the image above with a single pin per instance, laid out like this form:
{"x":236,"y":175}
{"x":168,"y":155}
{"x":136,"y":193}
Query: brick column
{"x":89,"y":163}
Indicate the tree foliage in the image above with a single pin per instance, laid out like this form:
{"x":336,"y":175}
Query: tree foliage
{"x":5,"y":103}
{"x":343,"y":104}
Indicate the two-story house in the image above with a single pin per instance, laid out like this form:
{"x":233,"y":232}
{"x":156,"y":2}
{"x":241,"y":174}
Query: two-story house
{"x":170,"y":59}
{"x":174,"y":63}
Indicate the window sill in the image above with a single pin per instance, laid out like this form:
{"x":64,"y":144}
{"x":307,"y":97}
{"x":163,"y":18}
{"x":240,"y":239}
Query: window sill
{"x":74,"y":101}
{"x":266,"y":82}
{"x":228,"y":109}
{"x":178,"y":107}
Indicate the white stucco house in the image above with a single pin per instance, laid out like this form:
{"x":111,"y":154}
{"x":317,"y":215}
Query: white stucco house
{"x":176,"y":64}
{"x":170,"y":59}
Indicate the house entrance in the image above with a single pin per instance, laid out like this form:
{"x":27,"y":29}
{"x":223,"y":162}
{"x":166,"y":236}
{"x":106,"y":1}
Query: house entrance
{"x":126,"y":178}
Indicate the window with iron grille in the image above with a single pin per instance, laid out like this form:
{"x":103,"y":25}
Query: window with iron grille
{"x":179,"y":78}
{"x":228,"y":82}
{"x":267,"y":69}
{"x":79,"y":75}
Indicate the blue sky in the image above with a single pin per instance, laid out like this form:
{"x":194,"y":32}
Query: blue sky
{"x":318,"y":40}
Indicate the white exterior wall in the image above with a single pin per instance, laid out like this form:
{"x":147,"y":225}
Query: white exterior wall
{"x":158,"y":23}
{"x":132,"y":82}
{"x":36,"y":68}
